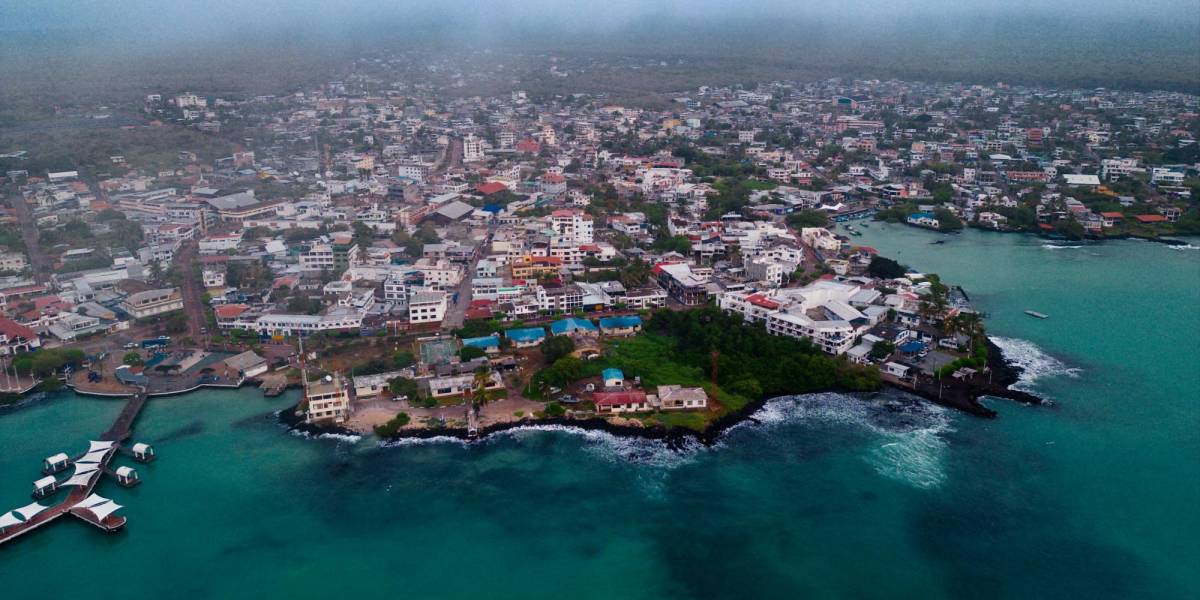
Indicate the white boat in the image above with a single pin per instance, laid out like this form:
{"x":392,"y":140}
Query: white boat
{"x":1034,"y":313}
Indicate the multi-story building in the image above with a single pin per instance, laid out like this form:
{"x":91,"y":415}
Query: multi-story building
{"x":145,"y":304}
{"x":573,"y":225}
{"x":328,"y":400}
{"x":427,"y":306}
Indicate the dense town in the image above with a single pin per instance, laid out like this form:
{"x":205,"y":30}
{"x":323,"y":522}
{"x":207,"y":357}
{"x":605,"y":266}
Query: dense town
{"x":418,"y":259}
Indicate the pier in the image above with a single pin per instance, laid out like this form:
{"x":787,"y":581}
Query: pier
{"x":89,"y":468}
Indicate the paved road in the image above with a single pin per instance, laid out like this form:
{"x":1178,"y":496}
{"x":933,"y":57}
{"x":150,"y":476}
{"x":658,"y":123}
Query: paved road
{"x":456,"y":313}
{"x":29,"y":232}
{"x":193,"y":304}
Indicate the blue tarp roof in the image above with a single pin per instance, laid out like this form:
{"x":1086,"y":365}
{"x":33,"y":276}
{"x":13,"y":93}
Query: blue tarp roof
{"x":493,"y":208}
{"x":491,"y":341}
{"x":527,"y":334}
{"x":612,"y":374}
{"x":570,"y":325}
{"x":913,"y":346}
{"x":620,"y":322}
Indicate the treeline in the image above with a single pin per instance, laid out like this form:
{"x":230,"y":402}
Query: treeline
{"x":753,"y":363}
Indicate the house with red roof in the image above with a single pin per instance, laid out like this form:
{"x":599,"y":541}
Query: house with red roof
{"x":611,"y":403}
{"x":1150,"y":219}
{"x":491,"y":187}
{"x":15,"y":337}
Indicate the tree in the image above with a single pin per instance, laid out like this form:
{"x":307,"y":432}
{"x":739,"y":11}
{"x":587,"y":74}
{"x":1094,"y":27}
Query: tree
{"x":884,"y":268}
{"x":808,"y":218}
{"x":947,"y":220}
{"x":403,"y":388}
{"x":556,"y":347}
{"x":479,"y":391}
{"x":882,"y":349}
{"x":132,"y":359}
{"x":403,"y":358}
{"x":392,"y":427}
{"x":471,"y":353}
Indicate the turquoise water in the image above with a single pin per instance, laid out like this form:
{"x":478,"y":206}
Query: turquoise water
{"x":828,"y":496}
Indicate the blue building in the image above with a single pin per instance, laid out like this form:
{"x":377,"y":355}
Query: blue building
{"x":572,"y":325}
{"x":526,"y":337}
{"x":489,"y":343}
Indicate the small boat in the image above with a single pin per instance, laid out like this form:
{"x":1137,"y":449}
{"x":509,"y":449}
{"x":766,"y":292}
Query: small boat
{"x":1034,"y":313}
{"x":856,"y":232}
{"x":863,"y":225}
{"x":938,"y":242}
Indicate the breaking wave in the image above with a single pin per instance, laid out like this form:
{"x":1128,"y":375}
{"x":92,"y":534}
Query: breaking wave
{"x":1058,"y":246}
{"x":340,"y":437}
{"x":1183,"y":247}
{"x":628,"y":449}
{"x":1034,"y":363}
{"x":909,"y":444}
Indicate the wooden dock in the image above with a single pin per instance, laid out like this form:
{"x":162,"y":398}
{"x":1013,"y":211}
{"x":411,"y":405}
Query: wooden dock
{"x":119,"y":431}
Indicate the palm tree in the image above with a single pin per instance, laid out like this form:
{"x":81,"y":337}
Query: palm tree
{"x":479,"y":391}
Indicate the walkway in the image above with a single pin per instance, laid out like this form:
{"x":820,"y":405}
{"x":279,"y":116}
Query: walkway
{"x":119,"y":431}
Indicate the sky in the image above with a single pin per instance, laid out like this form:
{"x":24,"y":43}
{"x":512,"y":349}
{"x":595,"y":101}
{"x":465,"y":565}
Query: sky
{"x":207,"y":17}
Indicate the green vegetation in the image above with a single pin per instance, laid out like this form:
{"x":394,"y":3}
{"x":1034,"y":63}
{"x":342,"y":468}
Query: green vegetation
{"x":403,"y":387}
{"x":393,"y":425}
{"x":45,"y":362}
{"x":471,"y":353}
{"x":132,"y":359}
{"x":556,"y":347}
{"x":808,"y":218}
{"x":884,"y":268}
{"x":947,"y":220}
{"x":404,"y":358}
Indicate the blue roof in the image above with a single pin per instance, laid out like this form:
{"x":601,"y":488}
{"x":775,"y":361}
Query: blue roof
{"x":620,"y":322}
{"x":491,"y":341}
{"x":612,"y":374}
{"x":571,"y":324}
{"x":493,"y":208}
{"x":913,"y":346}
{"x":921,"y":215}
{"x":527,"y":334}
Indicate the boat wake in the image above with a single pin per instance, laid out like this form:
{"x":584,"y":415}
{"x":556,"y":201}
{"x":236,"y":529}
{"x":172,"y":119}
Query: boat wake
{"x":1035,"y":364}
{"x":1184,"y":247}
{"x":908,"y":442}
{"x":1059,"y":247}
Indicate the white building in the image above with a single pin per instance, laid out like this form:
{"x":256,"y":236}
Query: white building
{"x":152,"y":302}
{"x":573,"y":225}
{"x":328,"y":400}
{"x":427,"y":306}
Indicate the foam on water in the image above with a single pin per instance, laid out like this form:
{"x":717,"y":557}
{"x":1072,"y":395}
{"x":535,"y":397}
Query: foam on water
{"x":1058,"y":247}
{"x":437,"y":439}
{"x":908,"y":442}
{"x":339,"y":437}
{"x":1184,"y":247}
{"x":628,"y":449}
{"x":1034,"y":363}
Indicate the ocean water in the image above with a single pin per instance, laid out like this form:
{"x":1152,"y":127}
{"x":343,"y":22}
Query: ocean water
{"x":823,"y":496}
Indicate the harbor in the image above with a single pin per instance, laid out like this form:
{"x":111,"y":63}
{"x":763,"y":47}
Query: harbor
{"x":86,"y":472}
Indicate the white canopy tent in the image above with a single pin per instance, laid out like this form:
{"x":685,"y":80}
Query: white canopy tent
{"x":124,"y":471}
{"x":84,"y":468}
{"x":45,"y":482}
{"x":94,"y":446}
{"x":91,"y":501}
{"x":103,"y":510}
{"x":30,"y":511}
{"x":92,"y":457}
{"x":141,"y":448}
{"x":9,"y":519}
{"x":80,"y":479}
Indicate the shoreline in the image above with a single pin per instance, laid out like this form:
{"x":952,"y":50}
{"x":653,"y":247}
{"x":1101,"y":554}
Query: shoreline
{"x":964,"y":398}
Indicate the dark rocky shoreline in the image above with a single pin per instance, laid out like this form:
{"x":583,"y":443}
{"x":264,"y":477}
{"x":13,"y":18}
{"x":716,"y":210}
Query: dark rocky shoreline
{"x":964,"y":398}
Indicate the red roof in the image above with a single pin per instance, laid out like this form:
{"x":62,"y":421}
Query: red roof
{"x":1150,"y":218}
{"x":1112,"y":215}
{"x":229,"y":311}
{"x":553,"y":178}
{"x":619,"y":398}
{"x":762,"y":301}
{"x":13,"y":329}
{"x":528,"y":146}
{"x":491,"y":187}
